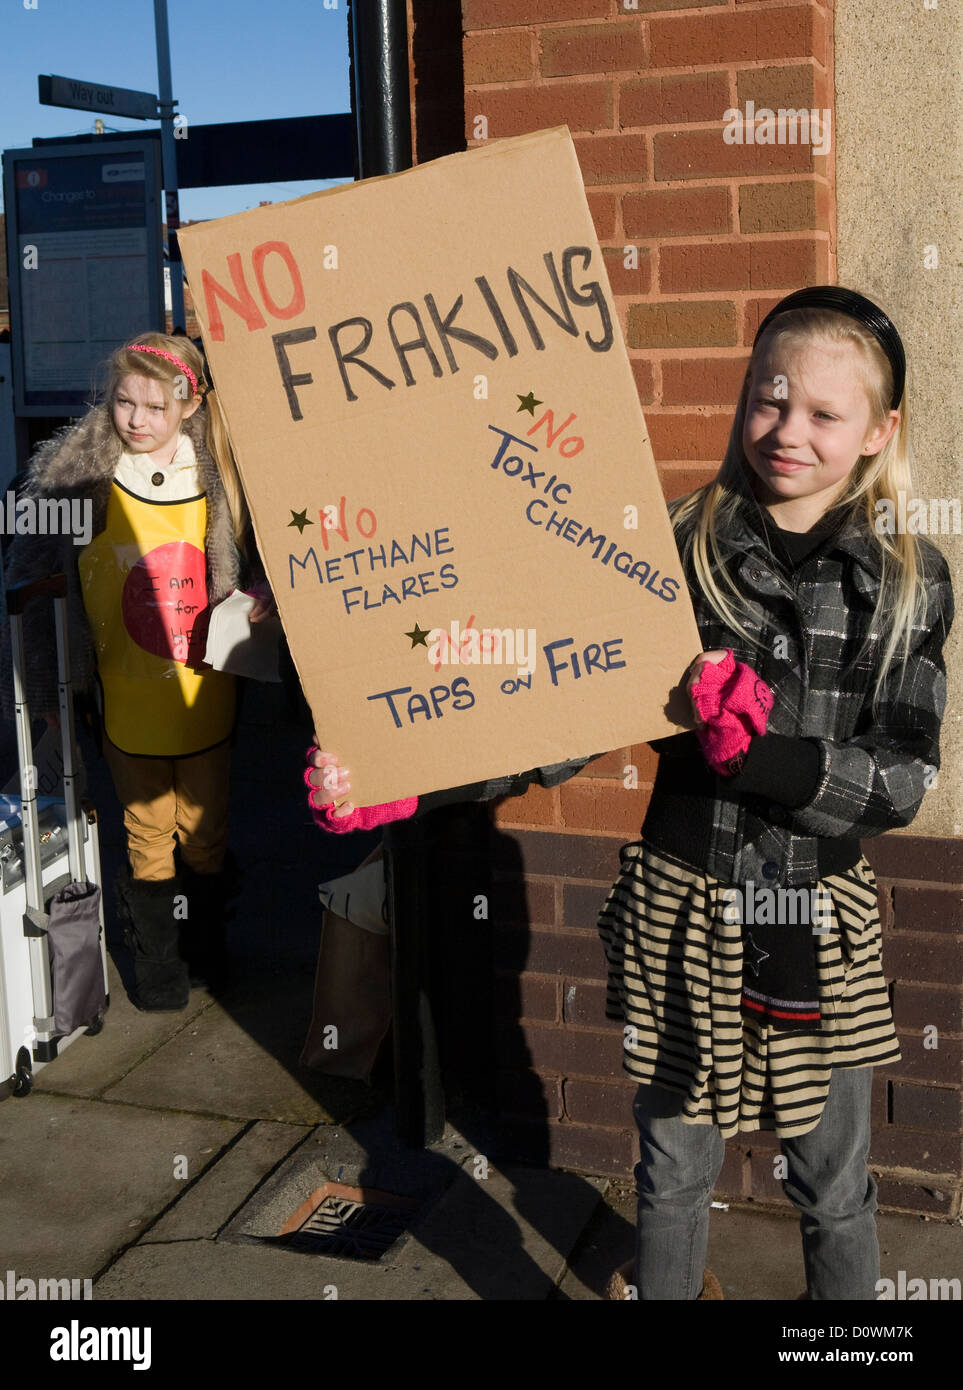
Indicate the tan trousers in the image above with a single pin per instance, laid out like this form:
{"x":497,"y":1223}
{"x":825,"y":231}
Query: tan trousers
{"x":173,"y":799}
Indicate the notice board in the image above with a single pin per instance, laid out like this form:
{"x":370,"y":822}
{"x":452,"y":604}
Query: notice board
{"x":441,"y":443}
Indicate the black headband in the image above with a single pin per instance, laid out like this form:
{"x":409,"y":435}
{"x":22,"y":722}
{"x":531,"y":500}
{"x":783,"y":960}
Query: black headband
{"x":858,"y":307}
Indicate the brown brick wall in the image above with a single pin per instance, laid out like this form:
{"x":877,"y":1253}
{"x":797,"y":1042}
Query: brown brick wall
{"x":722,"y":232}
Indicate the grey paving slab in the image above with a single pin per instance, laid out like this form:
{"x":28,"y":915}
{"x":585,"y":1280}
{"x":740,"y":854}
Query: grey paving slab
{"x":756,"y":1254}
{"x":227,"y":1184}
{"x":80,"y":1179}
{"x":505,"y":1236}
{"x":90,"y":1065}
{"x":240,"y":1058}
{"x":202,"y":1270}
{"x":483,"y":1232}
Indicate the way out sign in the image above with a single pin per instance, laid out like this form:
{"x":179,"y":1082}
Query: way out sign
{"x":440,"y":440}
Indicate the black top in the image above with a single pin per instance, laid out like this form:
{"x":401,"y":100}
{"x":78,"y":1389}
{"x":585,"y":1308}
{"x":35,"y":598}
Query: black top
{"x":777,"y":768}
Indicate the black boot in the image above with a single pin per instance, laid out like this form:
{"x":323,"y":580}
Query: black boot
{"x":151,"y":932}
{"x":204,"y":930}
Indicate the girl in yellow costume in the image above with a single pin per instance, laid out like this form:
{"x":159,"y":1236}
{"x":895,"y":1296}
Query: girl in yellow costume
{"x":170,"y":539}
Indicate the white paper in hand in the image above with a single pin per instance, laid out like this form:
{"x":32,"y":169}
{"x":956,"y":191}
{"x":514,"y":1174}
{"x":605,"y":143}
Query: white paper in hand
{"x":240,"y":647}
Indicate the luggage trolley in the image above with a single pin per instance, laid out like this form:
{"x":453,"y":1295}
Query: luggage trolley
{"x":48,"y":845}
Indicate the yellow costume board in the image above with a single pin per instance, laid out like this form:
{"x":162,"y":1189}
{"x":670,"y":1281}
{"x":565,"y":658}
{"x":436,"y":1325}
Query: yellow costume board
{"x":144,"y":585}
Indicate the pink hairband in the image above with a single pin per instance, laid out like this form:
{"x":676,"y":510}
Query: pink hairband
{"x":159,"y":352}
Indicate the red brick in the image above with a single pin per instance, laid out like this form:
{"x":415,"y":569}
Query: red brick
{"x":734,"y":1178}
{"x":594,"y":1103}
{"x":679,"y":482}
{"x":556,"y":952}
{"x":718,"y":266}
{"x":603,"y":207}
{"x":703,"y":380}
{"x":583,"y":1002}
{"x":517,"y":110}
{"x":688,"y":436}
{"x":537,"y":806}
{"x":880,"y":1102}
{"x":934,"y":1108}
{"x":759,"y":1140}
{"x":527,"y":1093}
{"x":522,"y":900}
{"x":703,"y":154}
{"x":924,"y":857}
{"x":916,"y":956}
{"x":775,"y":206}
{"x":678,"y":324}
{"x":644,"y":759}
{"x":644,"y":379}
{"x":939,"y":1065}
{"x":612,"y":158}
{"x":550,"y":852}
{"x":528,"y":996}
{"x":916,"y":1006}
{"x":628,"y":281}
{"x":917,"y":1197}
{"x":791,"y":86}
{"x":491,"y":14}
{"x":764,"y":1186}
{"x":582,"y":903}
{"x":788,"y":264}
{"x":797,"y":31}
{"x":927,"y":910}
{"x":584,"y":1148}
{"x":922,"y":1153}
{"x":651,"y":6}
{"x":599,"y":806}
{"x":562,"y":1049}
{"x":666,"y":212}
{"x":700,"y":96}
{"x":616,"y":46}
{"x":504,"y":57}
{"x":741,"y":265}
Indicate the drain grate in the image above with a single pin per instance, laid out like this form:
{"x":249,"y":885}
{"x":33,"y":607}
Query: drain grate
{"x":354,"y":1222}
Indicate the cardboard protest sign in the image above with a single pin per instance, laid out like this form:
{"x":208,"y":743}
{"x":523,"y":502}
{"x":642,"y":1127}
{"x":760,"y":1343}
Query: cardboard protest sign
{"x":441,"y":443}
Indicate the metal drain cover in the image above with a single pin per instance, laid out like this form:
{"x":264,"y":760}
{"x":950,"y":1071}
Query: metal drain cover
{"x":354,"y":1222}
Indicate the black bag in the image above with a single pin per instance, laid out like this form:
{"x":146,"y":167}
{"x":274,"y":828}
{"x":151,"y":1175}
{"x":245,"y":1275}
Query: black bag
{"x":76,"y":966}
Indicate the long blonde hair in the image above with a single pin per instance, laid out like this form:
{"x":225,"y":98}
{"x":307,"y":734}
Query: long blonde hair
{"x":700,"y":518}
{"x":124,"y":362}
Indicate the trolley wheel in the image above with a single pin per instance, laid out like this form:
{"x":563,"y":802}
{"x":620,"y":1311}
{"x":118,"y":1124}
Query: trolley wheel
{"x":23,"y":1080}
{"x":96,"y":1026}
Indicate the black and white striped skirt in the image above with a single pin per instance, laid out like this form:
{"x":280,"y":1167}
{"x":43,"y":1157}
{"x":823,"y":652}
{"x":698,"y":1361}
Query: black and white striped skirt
{"x":675,"y":981}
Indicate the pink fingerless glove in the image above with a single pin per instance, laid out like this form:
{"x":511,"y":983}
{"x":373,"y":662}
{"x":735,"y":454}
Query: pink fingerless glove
{"x":734,"y":703}
{"x":362,"y":817}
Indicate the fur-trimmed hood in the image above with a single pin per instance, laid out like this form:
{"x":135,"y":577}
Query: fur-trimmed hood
{"x":81,"y":460}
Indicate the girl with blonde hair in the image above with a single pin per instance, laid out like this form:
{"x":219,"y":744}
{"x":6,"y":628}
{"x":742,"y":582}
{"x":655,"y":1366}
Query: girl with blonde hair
{"x":170,"y":538}
{"x":742,"y":935}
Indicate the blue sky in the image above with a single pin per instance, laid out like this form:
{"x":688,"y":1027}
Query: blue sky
{"x":231,"y":60}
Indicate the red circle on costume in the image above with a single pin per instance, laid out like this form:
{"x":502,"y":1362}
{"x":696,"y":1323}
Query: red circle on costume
{"x":164,"y":595}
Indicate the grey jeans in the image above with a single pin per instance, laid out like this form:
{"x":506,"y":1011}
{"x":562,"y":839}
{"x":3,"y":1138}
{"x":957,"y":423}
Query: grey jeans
{"x":827,"y":1180}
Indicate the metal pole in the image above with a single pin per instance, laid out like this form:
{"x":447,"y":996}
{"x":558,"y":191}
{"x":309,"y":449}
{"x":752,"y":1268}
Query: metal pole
{"x":165,"y":101}
{"x":379,"y":44}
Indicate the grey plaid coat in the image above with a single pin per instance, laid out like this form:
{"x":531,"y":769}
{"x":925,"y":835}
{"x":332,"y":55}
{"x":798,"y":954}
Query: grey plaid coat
{"x":874,"y":767}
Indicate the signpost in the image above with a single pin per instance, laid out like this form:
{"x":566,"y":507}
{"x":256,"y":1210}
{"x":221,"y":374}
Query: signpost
{"x":97,"y":96}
